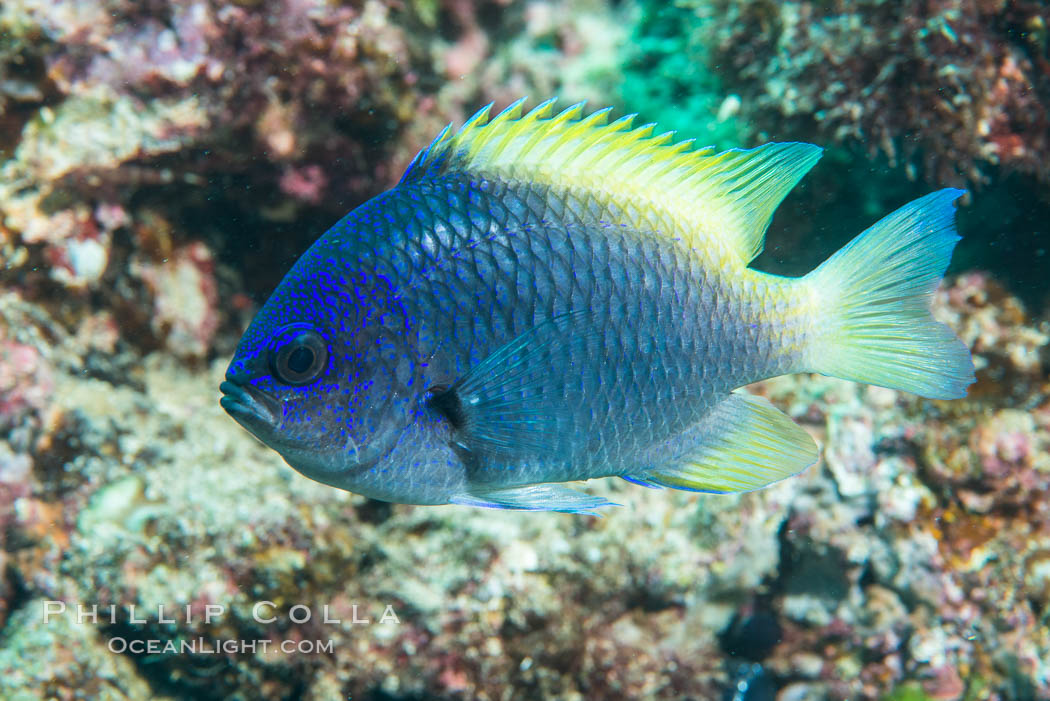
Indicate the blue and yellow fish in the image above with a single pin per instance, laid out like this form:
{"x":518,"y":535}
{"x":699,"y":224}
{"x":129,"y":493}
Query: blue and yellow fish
{"x":549,"y":298}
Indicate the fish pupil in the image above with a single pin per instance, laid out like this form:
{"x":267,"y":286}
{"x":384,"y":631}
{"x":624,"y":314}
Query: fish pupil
{"x":300,"y":360}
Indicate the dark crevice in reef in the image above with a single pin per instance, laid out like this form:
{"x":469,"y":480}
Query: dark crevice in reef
{"x":17,"y":593}
{"x":213,"y":676}
{"x":374,"y":512}
{"x":806,"y":568}
{"x":380,"y":695}
{"x":753,"y":634}
{"x":812,"y":568}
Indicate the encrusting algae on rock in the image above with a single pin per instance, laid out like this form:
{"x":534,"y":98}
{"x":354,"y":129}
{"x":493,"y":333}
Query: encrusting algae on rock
{"x":911,"y":560}
{"x":544,"y":299}
{"x":490,"y":607}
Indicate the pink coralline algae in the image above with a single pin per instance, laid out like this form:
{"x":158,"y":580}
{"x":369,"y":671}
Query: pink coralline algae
{"x":185,"y":295}
{"x":307,"y":183}
{"x":215,"y":115}
{"x":951,"y":593}
{"x":26,"y":382}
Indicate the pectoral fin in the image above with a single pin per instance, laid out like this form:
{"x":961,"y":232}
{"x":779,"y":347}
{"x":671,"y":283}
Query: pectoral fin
{"x":509,"y":402}
{"x":744,"y":444}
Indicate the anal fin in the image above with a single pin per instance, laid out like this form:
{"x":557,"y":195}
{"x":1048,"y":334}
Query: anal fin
{"x":533,"y":497}
{"x":744,"y":444}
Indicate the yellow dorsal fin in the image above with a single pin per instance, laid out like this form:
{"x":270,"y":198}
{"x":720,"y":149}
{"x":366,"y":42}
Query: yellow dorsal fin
{"x":726,"y":197}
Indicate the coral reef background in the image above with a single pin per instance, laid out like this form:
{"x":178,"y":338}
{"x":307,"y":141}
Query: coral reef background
{"x":162,"y":164}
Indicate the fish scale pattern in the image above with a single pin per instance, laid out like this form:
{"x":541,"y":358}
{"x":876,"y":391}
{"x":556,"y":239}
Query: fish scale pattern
{"x":655,"y":335}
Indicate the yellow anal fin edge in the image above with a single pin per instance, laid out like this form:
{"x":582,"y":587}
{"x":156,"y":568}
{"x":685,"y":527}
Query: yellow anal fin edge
{"x":744,"y":444}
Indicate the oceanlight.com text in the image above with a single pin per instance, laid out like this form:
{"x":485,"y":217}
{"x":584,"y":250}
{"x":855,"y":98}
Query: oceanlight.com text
{"x":204,"y":646}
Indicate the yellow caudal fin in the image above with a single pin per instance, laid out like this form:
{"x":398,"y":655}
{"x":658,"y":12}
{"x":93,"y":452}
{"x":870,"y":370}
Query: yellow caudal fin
{"x":873,"y":303}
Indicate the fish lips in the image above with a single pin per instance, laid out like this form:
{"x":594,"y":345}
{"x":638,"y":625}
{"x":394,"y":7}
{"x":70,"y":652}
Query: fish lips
{"x":251,"y":408}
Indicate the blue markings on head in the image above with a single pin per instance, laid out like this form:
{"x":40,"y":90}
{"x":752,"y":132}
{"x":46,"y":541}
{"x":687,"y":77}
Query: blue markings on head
{"x":355,"y":291}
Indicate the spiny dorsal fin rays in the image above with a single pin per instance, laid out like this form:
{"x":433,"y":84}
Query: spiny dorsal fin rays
{"x":725,"y":199}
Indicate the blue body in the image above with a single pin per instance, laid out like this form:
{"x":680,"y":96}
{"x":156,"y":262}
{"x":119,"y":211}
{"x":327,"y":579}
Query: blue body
{"x":421,"y":284}
{"x":545,"y":299}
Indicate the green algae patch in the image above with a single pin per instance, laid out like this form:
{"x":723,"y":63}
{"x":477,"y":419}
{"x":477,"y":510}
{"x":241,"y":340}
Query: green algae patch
{"x":668,"y":77}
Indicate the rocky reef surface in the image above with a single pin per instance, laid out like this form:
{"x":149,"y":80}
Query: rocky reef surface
{"x":916,"y":552}
{"x":162,"y":164}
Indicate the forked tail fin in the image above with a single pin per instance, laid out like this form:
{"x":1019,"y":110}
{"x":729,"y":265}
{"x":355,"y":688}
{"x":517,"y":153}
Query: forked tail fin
{"x":874,"y":295}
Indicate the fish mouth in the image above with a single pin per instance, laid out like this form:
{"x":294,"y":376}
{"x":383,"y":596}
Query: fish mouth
{"x":248,"y":406}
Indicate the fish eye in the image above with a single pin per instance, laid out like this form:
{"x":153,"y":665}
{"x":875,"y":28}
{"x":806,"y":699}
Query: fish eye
{"x":301,"y":360}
